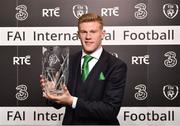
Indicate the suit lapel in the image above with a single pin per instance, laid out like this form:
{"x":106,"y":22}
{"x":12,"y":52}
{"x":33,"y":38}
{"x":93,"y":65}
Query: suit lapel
{"x":99,"y":67}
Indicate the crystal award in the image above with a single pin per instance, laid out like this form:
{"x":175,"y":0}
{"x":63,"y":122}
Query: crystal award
{"x":55,"y":68}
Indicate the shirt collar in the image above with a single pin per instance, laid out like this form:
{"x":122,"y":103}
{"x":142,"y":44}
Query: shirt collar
{"x":96,"y":54}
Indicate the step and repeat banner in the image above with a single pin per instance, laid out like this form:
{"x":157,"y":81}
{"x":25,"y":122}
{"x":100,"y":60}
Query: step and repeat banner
{"x":143,"y":33}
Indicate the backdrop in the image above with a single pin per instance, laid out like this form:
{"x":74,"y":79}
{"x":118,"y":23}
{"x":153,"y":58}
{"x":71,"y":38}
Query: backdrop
{"x":143,"y":33}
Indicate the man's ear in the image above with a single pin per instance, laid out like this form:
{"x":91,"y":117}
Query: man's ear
{"x":78,"y":34}
{"x":103,"y":33}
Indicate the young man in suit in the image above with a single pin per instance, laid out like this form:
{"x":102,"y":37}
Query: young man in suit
{"x":94,"y":91}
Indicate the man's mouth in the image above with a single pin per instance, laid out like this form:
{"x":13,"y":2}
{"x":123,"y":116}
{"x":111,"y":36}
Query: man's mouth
{"x":88,"y":42}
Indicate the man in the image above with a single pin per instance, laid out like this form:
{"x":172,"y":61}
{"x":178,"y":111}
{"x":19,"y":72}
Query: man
{"x":95,"y":97}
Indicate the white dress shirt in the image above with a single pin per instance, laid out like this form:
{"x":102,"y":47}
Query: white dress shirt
{"x":95,"y":56}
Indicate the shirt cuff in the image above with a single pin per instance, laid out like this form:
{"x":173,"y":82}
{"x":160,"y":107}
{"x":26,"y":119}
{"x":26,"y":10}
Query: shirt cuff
{"x":74,"y":102}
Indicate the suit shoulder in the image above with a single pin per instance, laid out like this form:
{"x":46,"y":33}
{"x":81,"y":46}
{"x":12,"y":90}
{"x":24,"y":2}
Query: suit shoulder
{"x":114,"y":60}
{"x":74,"y":56}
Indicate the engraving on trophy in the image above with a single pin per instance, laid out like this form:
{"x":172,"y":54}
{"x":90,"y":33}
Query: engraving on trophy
{"x":55,"y":68}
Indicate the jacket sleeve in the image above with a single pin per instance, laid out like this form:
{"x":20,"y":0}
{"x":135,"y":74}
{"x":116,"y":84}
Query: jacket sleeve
{"x":54,"y":104}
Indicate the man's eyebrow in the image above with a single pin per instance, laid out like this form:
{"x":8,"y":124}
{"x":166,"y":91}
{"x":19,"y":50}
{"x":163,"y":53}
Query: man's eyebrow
{"x":82,"y":31}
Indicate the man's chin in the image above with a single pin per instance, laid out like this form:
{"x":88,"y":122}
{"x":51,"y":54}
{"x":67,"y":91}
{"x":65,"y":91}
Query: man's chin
{"x":88,"y":51}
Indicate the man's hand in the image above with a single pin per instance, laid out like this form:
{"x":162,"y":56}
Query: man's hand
{"x":64,"y":98}
{"x":43,"y":82}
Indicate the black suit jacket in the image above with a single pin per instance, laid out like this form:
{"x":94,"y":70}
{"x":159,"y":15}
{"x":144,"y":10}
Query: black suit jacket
{"x":99,"y":101}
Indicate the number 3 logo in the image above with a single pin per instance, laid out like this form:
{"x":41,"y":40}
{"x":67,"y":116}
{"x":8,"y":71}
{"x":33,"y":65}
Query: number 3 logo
{"x":142,"y":12}
{"x":22,"y":94}
{"x":22,"y":12}
{"x":141,"y":94}
{"x":171,"y":60}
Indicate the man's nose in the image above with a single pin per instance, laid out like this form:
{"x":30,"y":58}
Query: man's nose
{"x":88,"y":36}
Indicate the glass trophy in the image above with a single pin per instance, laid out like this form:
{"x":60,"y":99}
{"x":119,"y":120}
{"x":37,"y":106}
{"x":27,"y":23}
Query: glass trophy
{"x":55,"y":68}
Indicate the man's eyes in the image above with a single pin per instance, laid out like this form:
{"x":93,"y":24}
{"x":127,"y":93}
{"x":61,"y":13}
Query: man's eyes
{"x":87,"y":32}
{"x":83,"y":32}
{"x":93,"y":31}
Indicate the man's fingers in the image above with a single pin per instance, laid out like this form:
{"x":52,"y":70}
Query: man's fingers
{"x":52,"y":97}
{"x":44,"y":94}
{"x":42,"y":81}
{"x":65,"y":88}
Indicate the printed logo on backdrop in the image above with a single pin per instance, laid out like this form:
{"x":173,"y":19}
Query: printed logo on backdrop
{"x":142,"y":93}
{"x":141,"y":13}
{"x":110,"y":11}
{"x":170,"y":91}
{"x":22,"y":93}
{"x":114,"y":54}
{"x":170,"y":10}
{"x":22,"y":60}
{"x":22,"y":13}
{"x":140,"y":59}
{"x":79,"y":10}
{"x":53,"y":12}
{"x":171,"y":60}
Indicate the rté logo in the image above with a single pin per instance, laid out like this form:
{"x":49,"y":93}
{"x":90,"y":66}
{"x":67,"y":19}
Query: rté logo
{"x":51,"y":12}
{"x":140,"y":59}
{"x":110,"y":11}
{"x":22,"y":60}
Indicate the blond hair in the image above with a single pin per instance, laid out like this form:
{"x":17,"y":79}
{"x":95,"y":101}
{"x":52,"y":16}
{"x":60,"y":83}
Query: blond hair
{"x":91,"y":17}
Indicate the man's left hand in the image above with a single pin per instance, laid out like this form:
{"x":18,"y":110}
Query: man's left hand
{"x":65,"y":98}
